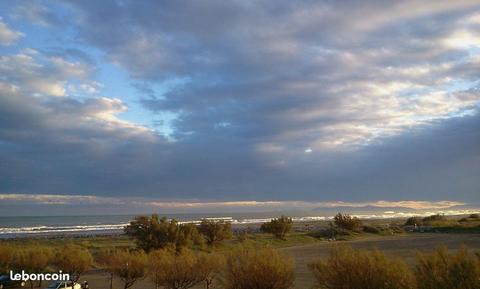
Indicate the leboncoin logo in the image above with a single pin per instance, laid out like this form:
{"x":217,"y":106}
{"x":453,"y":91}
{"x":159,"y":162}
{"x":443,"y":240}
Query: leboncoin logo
{"x":39,"y":276}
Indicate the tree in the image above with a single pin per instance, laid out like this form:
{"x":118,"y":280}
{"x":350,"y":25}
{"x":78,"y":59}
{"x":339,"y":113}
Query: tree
{"x":128,"y":266}
{"x":215,"y":231}
{"x":347,"y":268}
{"x":188,"y":236}
{"x":152,"y":233}
{"x":347,"y":222}
{"x":182,"y":270}
{"x":441,"y":270}
{"x":414,"y":221}
{"x":74,"y":260}
{"x":278,"y":227}
{"x":32,"y":259}
{"x":258,"y":268}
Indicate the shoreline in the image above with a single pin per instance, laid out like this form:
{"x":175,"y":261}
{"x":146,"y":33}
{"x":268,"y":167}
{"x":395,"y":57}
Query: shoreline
{"x":300,"y":224}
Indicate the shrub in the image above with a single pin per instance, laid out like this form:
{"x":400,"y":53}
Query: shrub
{"x":32,"y":259}
{"x":347,"y":268}
{"x":474,"y":216}
{"x":6,"y":258}
{"x":188,"y":236}
{"x":242,"y":236}
{"x":278,"y":227}
{"x":412,"y":221}
{"x":103,"y":259}
{"x":210,"y":266}
{"x":183,"y":270}
{"x":152,"y":233}
{"x":370,"y":229}
{"x":347,"y":222}
{"x":128,"y":266}
{"x":215,"y":231}
{"x":441,"y":270}
{"x":253,"y":268}
{"x":434,"y":219}
{"x":73,"y":260}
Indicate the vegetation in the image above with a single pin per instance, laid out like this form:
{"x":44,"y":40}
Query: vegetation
{"x":242,"y":236}
{"x":414,"y":221}
{"x":6,"y":257}
{"x":33,"y":259}
{"x":434,"y":220}
{"x":441,"y":270}
{"x":347,"y":268}
{"x":181,"y":261}
{"x":278,"y":227}
{"x":73,"y":260}
{"x":215,"y":231}
{"x":129,"y":266}
{"x":253,"y":268}
{"x":442,"y":224}
{"x":347,"y":222}
{"x":183,"y":270}
{"x":152,"y":233}
{"x":371,"y":229}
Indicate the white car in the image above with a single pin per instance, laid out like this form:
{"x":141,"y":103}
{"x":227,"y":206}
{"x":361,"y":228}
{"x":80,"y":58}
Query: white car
{"x":64,"y":285}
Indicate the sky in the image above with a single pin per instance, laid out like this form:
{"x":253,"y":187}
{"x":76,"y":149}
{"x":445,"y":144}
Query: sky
{"x":175,"y":105}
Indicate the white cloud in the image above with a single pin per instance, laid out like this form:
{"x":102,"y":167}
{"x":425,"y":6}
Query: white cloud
{"x":43,"y":83}
{"x":49,"y":199}
{"x":7,"y":35}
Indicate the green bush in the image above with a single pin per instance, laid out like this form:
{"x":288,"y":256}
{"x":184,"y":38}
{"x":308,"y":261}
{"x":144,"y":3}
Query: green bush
{"x":434,"y":220}
{"x":152,"y":233}
{"x":441,"y":270}
{"x":215,"y":231}
{"x":278,"y":227}
{"x":370,"y":229}
{"x":347,"y":222}
{"x":350,"y":269}
{"x":412,"y":221}
{"x":242,"y":236}
{"x":258,"y":268}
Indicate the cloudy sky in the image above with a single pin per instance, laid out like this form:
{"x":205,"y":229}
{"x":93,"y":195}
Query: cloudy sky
{"x":239,"y":103}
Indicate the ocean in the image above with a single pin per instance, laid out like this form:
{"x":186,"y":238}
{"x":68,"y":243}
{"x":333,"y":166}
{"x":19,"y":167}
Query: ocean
{"x":25,"y":226}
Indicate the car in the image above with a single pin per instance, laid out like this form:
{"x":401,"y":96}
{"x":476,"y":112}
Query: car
{"x":6,"y":282}
{"x":64,"y":285}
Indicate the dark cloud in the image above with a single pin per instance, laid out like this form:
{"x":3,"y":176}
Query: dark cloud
{"x":273,"y":100}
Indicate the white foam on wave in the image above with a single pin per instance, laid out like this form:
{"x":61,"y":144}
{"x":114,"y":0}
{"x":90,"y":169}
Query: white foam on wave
{"x":60,"y":229}
{"x":42,"y":229}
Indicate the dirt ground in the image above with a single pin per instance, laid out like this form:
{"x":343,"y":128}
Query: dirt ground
{"x":404,"y":246}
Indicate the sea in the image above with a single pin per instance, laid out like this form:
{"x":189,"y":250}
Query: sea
{"x":91,"y":225}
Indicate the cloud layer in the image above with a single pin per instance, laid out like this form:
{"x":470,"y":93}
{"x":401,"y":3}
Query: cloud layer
{"x":269,"y":100}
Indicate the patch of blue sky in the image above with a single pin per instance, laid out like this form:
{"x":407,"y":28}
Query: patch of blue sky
{"x":113,"y":81}
{"x":117,"y":83}
{"x":460,"y":85}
